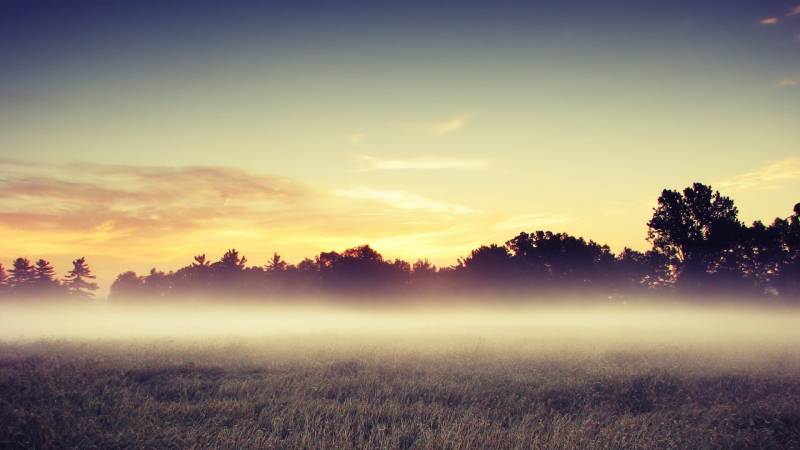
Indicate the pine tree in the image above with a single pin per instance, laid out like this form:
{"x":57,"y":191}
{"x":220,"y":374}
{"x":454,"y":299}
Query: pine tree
{"x":21,"y":274}
{"x":276,"y":264}
{"x":43,"y":273}
{"x":44,"y":278}
{"x":76,"y":280}
{"x":232,"y":262}
{"x":201,"y":261}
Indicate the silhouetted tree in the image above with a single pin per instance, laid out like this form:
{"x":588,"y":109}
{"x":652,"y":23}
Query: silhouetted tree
{"x":636,"y":271}
{"x":699,"y":231}
{"x":226,"y":274}
{"x":157,"y":284}
{"x":360,"y":270}
{"x":127,"y":286}
{"x":303,"y":278}
{"x":231,"y":262}
{"x":77,"y":280}
{"x":760,"y":256}
{"x":561,"y":260}
{"x":424,"y":275}
{"x":44,"y":279}
{"x":21,"y":279}
{"x":201,"y":261}
{"x":193,"y":280}
{"x":423,"y":267}
{"x":400,"y":273}
{"x":276,"y":264}
{"x":307,"y":265}
{"x":488,"y":266}
{"x":787,"y":232}
{"x":277,"y":277}
{"x":631,"y":270}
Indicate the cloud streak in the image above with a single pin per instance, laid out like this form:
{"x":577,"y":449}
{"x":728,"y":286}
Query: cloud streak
{"x":403,"y":200}
{"x":769,"y":21}
{"x":450,"y":125}
{"x":768,"y":177}
{"x":441,"y":128}
{"x":532,"y":221}
{"x":368,"y":163}
{"x":788,"y":82}
{"x":356,"y":137}
{"x":134,"y":201}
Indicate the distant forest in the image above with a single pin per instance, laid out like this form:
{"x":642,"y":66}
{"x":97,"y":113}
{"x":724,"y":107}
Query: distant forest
{"x":699,"y":247}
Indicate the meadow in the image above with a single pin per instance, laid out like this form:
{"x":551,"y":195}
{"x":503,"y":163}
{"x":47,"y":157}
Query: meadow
{"x":583,"y":377}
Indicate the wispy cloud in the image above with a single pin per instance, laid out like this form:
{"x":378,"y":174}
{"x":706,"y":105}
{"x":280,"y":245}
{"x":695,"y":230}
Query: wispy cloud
{"x":147,"y":212}
{"x":367,"y":163}
{"x":403,"y":200}
{"x":788,"y":82}
{"x":439,"y":128}
{"x":532,"y":221}
{"x":356,"y":137}
{"x":768,"y":21}
{"x":794,"y":11}
{"x":770,"y":176}
{"x":137,"y":201}
{"x":450,"y":125}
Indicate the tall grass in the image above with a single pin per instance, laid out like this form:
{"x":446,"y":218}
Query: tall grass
{"x":328,"y":394}
{"x":565,"y":377}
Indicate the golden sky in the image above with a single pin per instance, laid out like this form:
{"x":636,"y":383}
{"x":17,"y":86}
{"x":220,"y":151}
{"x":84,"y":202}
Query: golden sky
{"x":134,"y":217}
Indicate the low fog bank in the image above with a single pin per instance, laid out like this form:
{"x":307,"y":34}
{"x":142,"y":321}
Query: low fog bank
{"x":318,"y":376}
{"x":572,"y":327}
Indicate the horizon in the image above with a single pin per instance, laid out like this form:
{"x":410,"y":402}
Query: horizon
{"x":699,"y":247}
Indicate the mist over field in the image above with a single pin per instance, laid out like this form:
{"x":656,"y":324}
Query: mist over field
{"x":538,"y":326}
{"x":251,"y":376}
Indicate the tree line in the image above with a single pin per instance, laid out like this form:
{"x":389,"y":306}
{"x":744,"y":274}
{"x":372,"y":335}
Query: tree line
{"x":699,"y":247}
{"x":26,"y":280}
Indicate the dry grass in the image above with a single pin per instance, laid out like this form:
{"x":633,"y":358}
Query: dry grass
{"x":337,"y":392}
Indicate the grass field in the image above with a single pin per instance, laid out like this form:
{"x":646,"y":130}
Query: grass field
{"x":518,"y":384}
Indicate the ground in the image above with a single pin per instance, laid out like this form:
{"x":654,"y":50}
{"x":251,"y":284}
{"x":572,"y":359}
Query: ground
{"x":339,"y":392}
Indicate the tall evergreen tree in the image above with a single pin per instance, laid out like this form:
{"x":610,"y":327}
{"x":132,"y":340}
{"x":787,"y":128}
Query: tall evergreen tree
{"x":44,"y":278}
{"x":22,"y":274}
{"x":231,"y":261}
{"x":43,"y":272}
{"x":76,"y":281}
{"x":276,"y":264}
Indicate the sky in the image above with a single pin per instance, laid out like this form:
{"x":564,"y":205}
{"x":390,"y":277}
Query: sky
{"x":139,"y":134}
